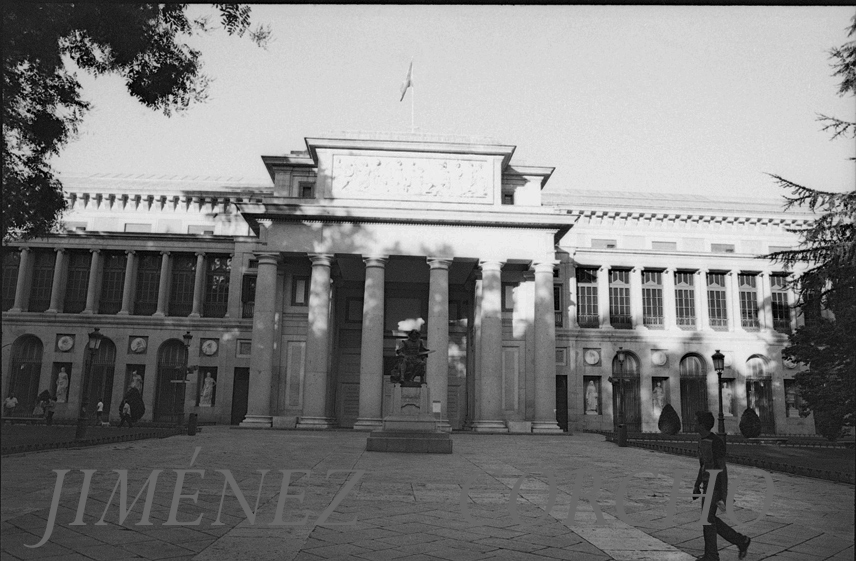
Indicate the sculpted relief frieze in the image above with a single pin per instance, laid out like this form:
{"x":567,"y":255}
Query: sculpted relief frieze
{"x":446,"y":180}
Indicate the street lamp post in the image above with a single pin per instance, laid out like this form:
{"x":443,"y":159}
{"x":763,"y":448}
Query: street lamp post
{"x":82,"y":421}
{"x":719,"y":366}
{"x":187,"y":338}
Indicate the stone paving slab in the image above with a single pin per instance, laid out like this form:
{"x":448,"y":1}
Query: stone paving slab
{"x":403,"y":506}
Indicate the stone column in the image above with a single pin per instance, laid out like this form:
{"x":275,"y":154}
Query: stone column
{"x":701,"y":300}
{"x":636,"y":319}
{"x":57,"y":292}
{"x":91,"y":294}
{"x":734,"y":323}
{"x":603,"y":296}
{"x":669,"y":304}
{"x":198,"y":285}
{"x":317,"y":346}
{"x":797,"y":319}
{"x":765,"y":301}
{"x":545,"y":351}
{"x":573,"y":295}
{"x":163,"y":286}
{"x":438,"y":337}
{"x":21,"y":289}
{"x":371,"y":348}
{"x":128,"y":287}
{"x":490,"y":387}
{"x":258,"y":404}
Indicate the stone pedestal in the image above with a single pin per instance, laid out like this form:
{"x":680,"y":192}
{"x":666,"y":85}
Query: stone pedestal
{"x":411,"y":426}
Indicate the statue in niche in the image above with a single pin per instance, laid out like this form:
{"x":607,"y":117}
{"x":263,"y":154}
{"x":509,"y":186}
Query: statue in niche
{"x":659,"y":399}
{"x":61,"y":385}
{"x":591,"y":398}
{"x":412,"y":355}
{"x":207,"y":391}
{"x":726,"y":399}
{"x":136,"y":382}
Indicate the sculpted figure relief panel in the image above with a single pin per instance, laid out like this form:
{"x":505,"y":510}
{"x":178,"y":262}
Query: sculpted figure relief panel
{"x":416,"y":178}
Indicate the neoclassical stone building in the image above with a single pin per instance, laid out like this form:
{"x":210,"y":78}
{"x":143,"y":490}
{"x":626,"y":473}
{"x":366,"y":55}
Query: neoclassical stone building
{"x":295,"y":293}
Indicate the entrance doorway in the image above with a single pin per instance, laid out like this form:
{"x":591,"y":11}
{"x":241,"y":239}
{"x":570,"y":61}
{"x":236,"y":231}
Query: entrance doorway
{"x":26,"y":369}
{"x":562,"y":401}
{"x":759,"y":396}
{"x":171,"y":379}
{"x":240,"y":395}
{"x":693,"y":391}
{"x":632,"y":398}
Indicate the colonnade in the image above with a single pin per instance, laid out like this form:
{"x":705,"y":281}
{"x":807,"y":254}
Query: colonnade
{"x":488,"y":416}
{"x":57,"y":297}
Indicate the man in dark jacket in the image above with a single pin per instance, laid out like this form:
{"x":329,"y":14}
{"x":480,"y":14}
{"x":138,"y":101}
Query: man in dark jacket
{"x":711,"y":455}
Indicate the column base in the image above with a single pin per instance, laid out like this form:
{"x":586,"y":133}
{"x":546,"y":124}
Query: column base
{"x":546,"y":427}
{"x":257,"y":421}
{"x":194,"y":315}
{"x":369,"y":423}
{"x":315,"y":423}
{"x":490,"y":426}
{"x":443,"y":425}
{"x":123,"y":313}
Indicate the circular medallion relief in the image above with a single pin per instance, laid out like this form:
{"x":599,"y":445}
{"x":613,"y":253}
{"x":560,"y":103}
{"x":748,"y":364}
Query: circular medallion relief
{"x":592,"y":357}
{"x":138,"y":345}
{"x":659,"y":358}
{"x":789,"y":364}
{"x":65,"y":343}
{"x":209,"y":347}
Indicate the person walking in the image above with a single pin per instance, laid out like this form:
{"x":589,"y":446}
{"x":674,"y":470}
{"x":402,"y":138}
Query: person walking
{"x":49,"y":405}
{"x":125,"y":414}
{"x":711,"y":456}
{"x":9,"y":406}
{"x":99,"y":411}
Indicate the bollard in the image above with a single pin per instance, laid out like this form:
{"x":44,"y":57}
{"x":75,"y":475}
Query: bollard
{"x":191,"y":424}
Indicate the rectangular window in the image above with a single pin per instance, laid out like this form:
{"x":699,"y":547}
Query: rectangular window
{"x":775,"y":248}
{"x":307,"y":190}
{"x":300,"y":291}
{"x":40,"y":285}
{"x":587,"y":313}
{"x":685,"y":300}
{"x":508,"y":198}
{"x":716,"y":303}
{"x":603,"y":244}
{"x":248,"y":296}
{"x":781,"y":308}
{"x":508,"y":296}
{"x":11,"y":263}
{"x":112,"y":282}
{"x":748,"y":302}
{"x":619,"y":299}
{"x":722,"y":248}
{"x":652,"y":299}
{"x":77,"y":282}
{"x":664,"y":246}
{"x":201,"y":230}
{"x":557,"y":304}
{"x":148,"y":284}
{"x":183,"y":281}
{"x":138,"y":228}
{"x":218,"y":269}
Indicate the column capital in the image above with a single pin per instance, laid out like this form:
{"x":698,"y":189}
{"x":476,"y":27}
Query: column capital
{"x":546,"y":266}
{"x":267,"y":258}
{"x":94,"y":251}
{"x":321,"y":259}
{"x":59,"y":249}
{"x":439,"y":262}
{"x":199,"y":253}
{"x":491,"y":265}
{"x":165,"y":252}
{"x":375,"y":260}
{"x":26,"y":248}
{"x":130,"y":252}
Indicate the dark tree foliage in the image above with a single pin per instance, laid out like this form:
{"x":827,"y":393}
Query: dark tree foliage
{"x":145,"y":44}
{"x":750,"y":424}
{"x":669,"y":422}
{"x":827,"y":250}
{"x":135,"y":400}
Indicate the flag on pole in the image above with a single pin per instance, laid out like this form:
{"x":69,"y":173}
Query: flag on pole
{"x":408,"y":82}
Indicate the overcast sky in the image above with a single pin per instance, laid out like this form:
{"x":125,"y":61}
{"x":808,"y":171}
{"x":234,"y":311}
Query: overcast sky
{"x":665,"y":99}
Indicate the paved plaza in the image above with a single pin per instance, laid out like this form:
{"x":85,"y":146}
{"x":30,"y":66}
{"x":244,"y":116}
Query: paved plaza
{"x":400,"y":506}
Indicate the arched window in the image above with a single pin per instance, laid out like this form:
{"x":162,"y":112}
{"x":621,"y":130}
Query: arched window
{"x":631,"y":366}
{"x":756,"y":367}
{"x":101,"y":375}
{"x":26,"y":370}
{"x":692,"y":366}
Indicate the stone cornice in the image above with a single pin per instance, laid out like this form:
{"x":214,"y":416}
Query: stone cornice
{"x":600,"y":217}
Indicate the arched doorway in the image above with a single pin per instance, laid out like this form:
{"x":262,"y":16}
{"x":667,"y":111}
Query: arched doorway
{"x":26,"y":370}
{"x":632,"y":398}
{"x":169,"y":397}
{"x":693,"y":390}
{"x":101,"y":376}
{"x":759,"y":392}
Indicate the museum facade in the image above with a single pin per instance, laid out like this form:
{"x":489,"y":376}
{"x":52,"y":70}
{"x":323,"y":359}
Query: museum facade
{"x":280,"y":305}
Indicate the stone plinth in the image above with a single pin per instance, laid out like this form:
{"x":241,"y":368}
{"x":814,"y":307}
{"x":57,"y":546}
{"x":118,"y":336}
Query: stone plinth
{"x":411,"y":426}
